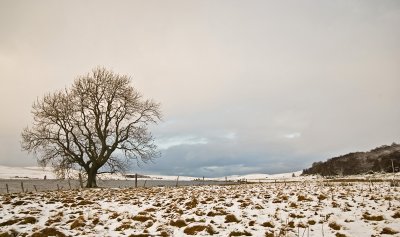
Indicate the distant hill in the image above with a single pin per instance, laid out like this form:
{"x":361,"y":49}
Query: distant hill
{"x":377,"y":160}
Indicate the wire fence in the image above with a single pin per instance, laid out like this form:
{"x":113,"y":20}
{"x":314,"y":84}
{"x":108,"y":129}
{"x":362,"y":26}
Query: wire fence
{"x":40,"y":185}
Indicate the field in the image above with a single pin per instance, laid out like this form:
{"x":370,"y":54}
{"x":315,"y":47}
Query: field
{"x":36,"y":185}
{"x":309,"y":208}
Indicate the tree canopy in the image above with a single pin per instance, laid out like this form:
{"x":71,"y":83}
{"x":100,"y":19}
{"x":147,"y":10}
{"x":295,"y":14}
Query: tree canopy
{"x":99,"y":123}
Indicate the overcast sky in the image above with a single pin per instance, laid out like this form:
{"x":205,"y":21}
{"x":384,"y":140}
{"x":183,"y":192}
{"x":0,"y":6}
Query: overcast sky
{"x":245,"y":86}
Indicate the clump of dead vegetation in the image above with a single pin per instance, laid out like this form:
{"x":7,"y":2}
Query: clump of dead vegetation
{"x":193,"y":230}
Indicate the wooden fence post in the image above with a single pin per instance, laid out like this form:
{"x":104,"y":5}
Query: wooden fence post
{"x":7,"y":188}
{"x":69,"y":183}
{"x":136,"y":180}
{"x":80,"y":180}
{"x":34,"y":186}
{"x":58,"y":188}
{"x":177,"y":180}
{"x":22,"y":186}
{"x":144,"y":185}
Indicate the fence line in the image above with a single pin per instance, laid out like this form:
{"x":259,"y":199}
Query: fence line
{"x":36,"y":185}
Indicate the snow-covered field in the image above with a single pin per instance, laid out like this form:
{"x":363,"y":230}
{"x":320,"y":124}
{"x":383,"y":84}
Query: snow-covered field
{"x":310,"y":208}
{"x":35,"y":172}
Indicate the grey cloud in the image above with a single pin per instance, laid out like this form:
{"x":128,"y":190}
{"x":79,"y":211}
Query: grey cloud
{"x":256,"y":86}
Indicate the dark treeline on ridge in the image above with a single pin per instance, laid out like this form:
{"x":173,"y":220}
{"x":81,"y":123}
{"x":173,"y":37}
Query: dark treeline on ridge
{"x":381,"y":159}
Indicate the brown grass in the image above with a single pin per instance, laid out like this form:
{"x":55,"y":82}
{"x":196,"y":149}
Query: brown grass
{"x":164,"y":234}
{"x":10,"y":222}
{"x":269,"y":234}
{"x":388,"y":231}
{"x":95,"y":221}
{"x":369,"y":217}
{"x":19,"y":203}
{"x":191,"y":204}
{"x":54,"y":219}
{"x":293,"y":215}
{"x":84,"y":202}
{"x":48,"y":232}
{"x":151,"y":209}
{"x":396,"y":215}
{"x":123,"y":227}
{"x":268,"y":224}
{"x":335,"y":226}
{"x":193,"y":230}
{"x":321,"y":197}
{"x":114,"y":215}
{"x":28,"y":220}
{"x":178,"y":223}
{"x":301,"y":198}
{"x":240,"y":233}
{"x":311,"y":222}
{"x":340,"y":235}
{"x":142,"y":218}
{"x":231,"y":218}
{"x":79,"y":222}
{"x":301,"y":225}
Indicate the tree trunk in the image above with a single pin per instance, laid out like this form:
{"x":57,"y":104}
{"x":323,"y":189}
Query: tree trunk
{"x":91,"y":181}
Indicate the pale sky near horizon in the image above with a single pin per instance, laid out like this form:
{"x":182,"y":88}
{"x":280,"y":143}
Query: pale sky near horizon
{"x":245,"y":86}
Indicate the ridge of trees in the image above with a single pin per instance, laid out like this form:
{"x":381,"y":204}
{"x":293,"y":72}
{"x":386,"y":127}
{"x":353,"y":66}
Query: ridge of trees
{"x":381,"y":159}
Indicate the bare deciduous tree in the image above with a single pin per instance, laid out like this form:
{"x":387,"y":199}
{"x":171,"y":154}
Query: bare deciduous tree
{"x":99,"y":125}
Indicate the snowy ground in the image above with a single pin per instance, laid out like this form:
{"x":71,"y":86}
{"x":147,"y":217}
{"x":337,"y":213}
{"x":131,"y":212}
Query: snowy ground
{"x":35,"y":172}
{"x":309,"y":208}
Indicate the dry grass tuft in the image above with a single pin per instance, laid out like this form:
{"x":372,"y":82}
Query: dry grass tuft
{"x":191,"y":204}
{"x":54,"y":219}
{"x":321,"y":197}
{"x":311,"y":222}
{"x":178,"y":223}
{"x":269,"y":234}
{"x":396,"y":215}
{"x":388,"y":231}
{"x":301,"y":198}
{"x":301,"y":225}
{"x":164,"y":234}
{"x":79,"y":222}
{"x":19,"y":203}
{"x":95,"y":221}
{"x":10,"y":222}
{"x":142,"y":218}
{"x":268,"y":224}
{"x":48,"y":232}
{"x":335,"y":226}
{"x":369,"y":217}
{"x":124,"y":226}
{"x":240,"y":233}
{"x":293,"y":215}
{"x":28,"y":220}
{"x":84,"y":202}
{"x":340,"y":235}
{"x":291,"y":224}
{"x":193,"y":230}
{"x":114,"y":215}
{"x":231,"y":218}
